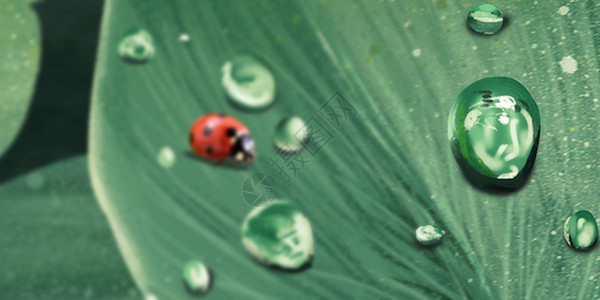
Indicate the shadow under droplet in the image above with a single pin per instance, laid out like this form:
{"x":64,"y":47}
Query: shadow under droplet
{"x":228,"y":163}
{"x":56,"y":125}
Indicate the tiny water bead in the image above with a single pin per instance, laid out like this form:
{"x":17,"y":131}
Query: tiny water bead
{"x":493,"y":128}
{"x":485,"y":19}
{"x":289,"y":135}
{"x":136,"y":46}
{"x":196,"y":277}
{"x":248,"y":83}
{"x":278,"y":235}
{"x":184,"y":37}
{"x":581,"y":230}
{"x":429,"y":234}
{"x":166,"y":157}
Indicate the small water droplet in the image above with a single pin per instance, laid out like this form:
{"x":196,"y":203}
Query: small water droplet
{"x":485,"y":19}
{"x":278,"y":235}
{"x":248,"y":83}
{"x":568,"y":64}
{"x":151,"y":297}
{"x":563,"y":10}
{"x":429,"y":234}
{"x":289,"y":134}
{"x":196,"y":277}
{"x":184,"y":38}
{"x":581,"y":230}
{"x":166,"y":157}
{"x":136,"y":46}
{"x":493,"y":128}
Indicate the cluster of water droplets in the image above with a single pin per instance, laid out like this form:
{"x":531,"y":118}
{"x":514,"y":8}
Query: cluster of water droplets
{"x":493,"y":128}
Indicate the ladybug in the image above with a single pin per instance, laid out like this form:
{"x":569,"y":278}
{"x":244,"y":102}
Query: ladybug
{"x":217,"y":136}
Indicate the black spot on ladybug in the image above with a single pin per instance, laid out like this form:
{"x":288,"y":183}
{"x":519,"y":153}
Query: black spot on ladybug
{"x":208,"y":130}
{"x":209,"y":150}
{"x":191,"y":138}
{"x":230,"y":132}
{"x":222,"y":115}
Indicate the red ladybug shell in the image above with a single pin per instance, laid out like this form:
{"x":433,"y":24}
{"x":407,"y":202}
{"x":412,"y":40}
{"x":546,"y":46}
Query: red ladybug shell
{"x":211,"y":136}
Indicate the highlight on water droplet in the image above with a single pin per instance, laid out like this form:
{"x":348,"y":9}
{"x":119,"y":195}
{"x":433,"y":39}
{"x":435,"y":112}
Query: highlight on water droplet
{"x":290,"y":134}
{"x":278,"y":235}
{"x":485,"y":19}
{"x":166,"y":157}
{"x":196,"y":277}
{"x":136,"y":46}
{"x":429,"y":234}
{"x":581,"y":230}
{"x":248,"y":83}
{"x":494,"y":128}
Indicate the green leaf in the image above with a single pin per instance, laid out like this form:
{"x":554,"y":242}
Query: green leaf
{"x":19,"y":60}
{"x":52,"y":233}
{"x":386,"y":171}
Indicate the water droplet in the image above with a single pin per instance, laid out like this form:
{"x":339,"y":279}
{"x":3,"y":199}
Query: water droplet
{"x":429,"y":234}
{"x":278,"y":235}
{"x":151,"y":297}
{"x":136,"y":46}
{"x":289,"y":135}
{"x":581,"y":230}
{"x":568,"y":64}
{"x":563,"y":10}
{"x":196,"y":277}
{"x":184,"y":37}
{"x":494,"y":128}
{"x":166,"y":157}
{"x":248,"y":83}
{"x":485,"y":19}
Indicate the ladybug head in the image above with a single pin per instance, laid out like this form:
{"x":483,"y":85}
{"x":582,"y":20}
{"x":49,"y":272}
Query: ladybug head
{"x":243,"y":148}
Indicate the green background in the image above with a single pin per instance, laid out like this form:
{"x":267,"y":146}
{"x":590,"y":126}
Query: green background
{"x":400,"y":63}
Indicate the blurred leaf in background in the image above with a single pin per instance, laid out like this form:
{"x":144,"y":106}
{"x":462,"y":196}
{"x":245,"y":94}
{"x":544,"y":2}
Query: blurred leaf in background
{"x":19,"y":62}
{"x":54,"y":241}
{"x":382,"y":173}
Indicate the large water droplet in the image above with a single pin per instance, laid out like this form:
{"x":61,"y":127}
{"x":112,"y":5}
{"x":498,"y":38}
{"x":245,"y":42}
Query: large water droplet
{"x":278,"y":235}
{"x":429,"y":234}
{"x":581,"y":230}
{"x":494,"y":128}
{"x":196,"y":277}
{"x":249,"y":84}
{"x":166,"y":157}
{"x":485,"y":19}
{"x":136,"y":46}
{"x":289,"y":135}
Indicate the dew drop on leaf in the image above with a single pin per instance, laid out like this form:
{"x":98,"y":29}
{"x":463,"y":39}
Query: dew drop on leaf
{"x":196,"y":277}
{"x":581,"y":230}
{"x":136,"y":46}
{"x":248,"y":83}
{"x":166,"y":157}
{"x":493,"y":128}
{"x":290,"y":134}
{"x":485,"y":19}
{"x":278,"y":235}
{"x":184,"y":37}
{"x":429,"y":234}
